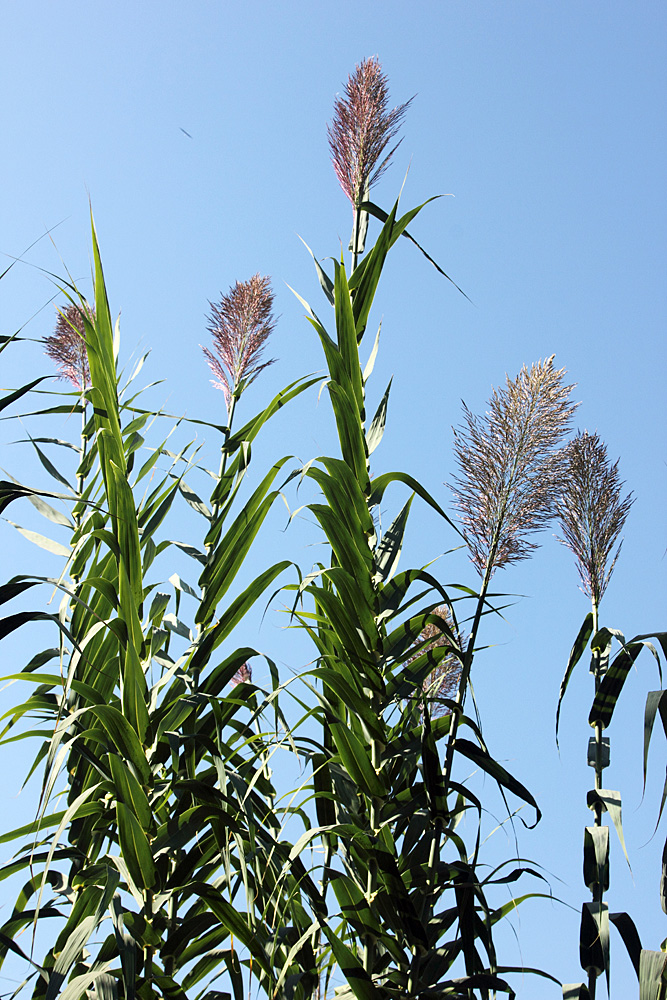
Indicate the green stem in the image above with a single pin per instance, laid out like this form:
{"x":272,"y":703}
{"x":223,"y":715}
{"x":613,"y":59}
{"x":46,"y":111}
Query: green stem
{"x":223,"y":466}
{"x":148,"y":950}
{"x":355,"y":238}
{"x":467,"y":666}
{"x":210,"y":546}
{"x":598,"y":889}
{"x":371,"y":879}
{"x":595,"y":670}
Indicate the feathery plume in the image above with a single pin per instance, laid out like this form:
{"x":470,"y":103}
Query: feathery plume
{"x":243,"y":675}
{"x":240,"y":324}
{"x":67,"y":344}
{"x":443,"y":681}
{"x":362,"y":128}
{"x":591,"y":511}
{"x":510,"y":465}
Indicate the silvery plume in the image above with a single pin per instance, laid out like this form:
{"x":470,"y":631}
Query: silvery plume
{"x":509,"y":465}
{"x":240,"y":323}
{"x":362,"y":128}
{"x":67,"y":344}
{"x":591,"y":511}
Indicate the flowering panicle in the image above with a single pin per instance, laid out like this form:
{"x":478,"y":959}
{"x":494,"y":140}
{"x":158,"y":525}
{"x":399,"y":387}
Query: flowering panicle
{"x":510,"y":465}
{"x":67,"y":344}
{"x":362,"y":128}
{"x":591,"y":511}
{"x":240,"y":324}
{"x":443,"y":681}
{"x":243,"y":675}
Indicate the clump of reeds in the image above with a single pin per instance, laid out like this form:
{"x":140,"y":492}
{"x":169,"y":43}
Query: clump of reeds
{"x":510,"y":465}
{"x":592,"y":511}
{"x":240,"y":324}
{"x":67,"y":344}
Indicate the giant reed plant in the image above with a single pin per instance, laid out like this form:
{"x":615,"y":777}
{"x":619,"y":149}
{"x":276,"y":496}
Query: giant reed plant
{"x":413,"y":904}
{"x":161,"y":862}
{"x":592,"y":512}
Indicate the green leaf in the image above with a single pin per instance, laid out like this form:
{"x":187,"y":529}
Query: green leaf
{"x":250,"y":430}
{"x":401,"y":230}
{"x":49,"y":512}
{"x":596,"y":857}
{"x":358,"y":979}
{"x":233,"y":615}
{"x":191,"y":497}
{"x":69,"y":954}
{"x":49,"y":466}
{"x":370,"y":364}
{"x":123,"y":737}
{"x":324,"y":279}
{"x":626,"y":928}
{"x":346,"y":333}
{"x":652,"y":974}
{"x":231,"y":920}
{"x":11,"y":397}
{"x":610,"y":801}
{"x":17,"y":585}
{"x":135,"y":848}
{"x":380,"y":483}
{"x":580,"y":644}
{"x":594,"y":939}
{"x":376,"y":430}
{"x":612,"y":684}
{"x":388,"y":552}
{"x":356,"y":761}
{"x":656,"y":701}
{"x":366,"y":278}
{"x":129,"y":791}
{"x":191,"y":551}
{"x":497,"y":771}
{"x":42,"y":541}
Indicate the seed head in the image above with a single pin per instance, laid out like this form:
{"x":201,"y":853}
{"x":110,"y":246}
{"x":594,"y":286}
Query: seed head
{"x":240,"y":324}
{"x":67,"y":344}
{"x":362,"y":128}
{"x":443,"y":680}
{"x":591,"y":511}
{"x":510,"y":465}
{"x":243,"y":675}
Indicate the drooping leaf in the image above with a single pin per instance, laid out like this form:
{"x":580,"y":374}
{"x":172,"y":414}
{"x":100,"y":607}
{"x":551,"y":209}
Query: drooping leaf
{"x":11,"y":397}
{"x":56,"y":548}
{"x":656,"y":701}
{"x":497,"y":771}
{"x":610,"y":801}
{"x":626,"y":928}
{"x":578,"y":648}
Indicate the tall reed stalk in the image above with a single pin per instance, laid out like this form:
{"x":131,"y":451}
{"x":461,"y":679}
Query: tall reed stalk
{"x":592,"y":512}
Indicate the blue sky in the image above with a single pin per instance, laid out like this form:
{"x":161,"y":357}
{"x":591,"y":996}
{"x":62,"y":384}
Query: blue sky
{"x":546,"y":122}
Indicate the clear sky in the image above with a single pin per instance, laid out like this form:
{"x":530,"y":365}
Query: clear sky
{"x":546,"y":121}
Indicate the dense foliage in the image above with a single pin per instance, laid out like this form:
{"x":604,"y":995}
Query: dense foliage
{"x":161,"y":851}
